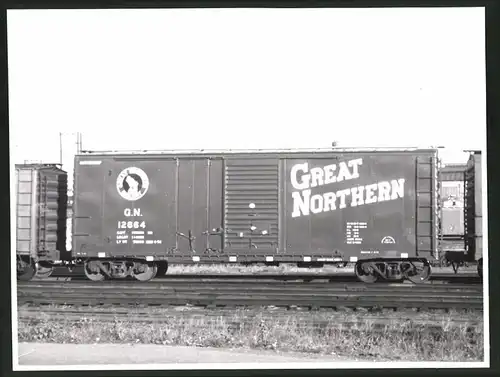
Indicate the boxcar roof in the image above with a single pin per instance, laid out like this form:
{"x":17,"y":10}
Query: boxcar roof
{"x":39,"y":166}
{"x":225,"y":152}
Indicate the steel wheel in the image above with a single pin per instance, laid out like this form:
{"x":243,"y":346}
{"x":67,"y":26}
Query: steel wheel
{"x":44,"y":272}
{"x":25,"y":270}
{"x":145,"y":271}
{"x":93,"y":272}
{"x":365,"y":273}
{"x":444,"y":262}
{"x":419,"y":272}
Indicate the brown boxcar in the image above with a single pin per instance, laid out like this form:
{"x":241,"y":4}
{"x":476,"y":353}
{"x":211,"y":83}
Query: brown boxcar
{"x":41,"y":197}
{"x":133,"y":213}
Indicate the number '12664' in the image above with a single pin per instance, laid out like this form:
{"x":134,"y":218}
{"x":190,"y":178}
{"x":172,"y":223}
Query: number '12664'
{"x":131,"y":225}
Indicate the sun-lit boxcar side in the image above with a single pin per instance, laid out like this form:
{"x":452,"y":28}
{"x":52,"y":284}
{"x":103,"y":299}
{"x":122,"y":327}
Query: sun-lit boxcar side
{"x":256,"y":207}
{"x":41,"y":202}
{"x":361,"y":205}
{"x":173,"y":213}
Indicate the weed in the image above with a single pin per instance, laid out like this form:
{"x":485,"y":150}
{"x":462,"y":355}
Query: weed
{"x":395,"y":340}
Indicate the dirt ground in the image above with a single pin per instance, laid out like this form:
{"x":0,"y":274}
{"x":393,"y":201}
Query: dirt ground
{"x":85,"y":354}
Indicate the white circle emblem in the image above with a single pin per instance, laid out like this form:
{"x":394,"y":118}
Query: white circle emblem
{"x":132,"y":183}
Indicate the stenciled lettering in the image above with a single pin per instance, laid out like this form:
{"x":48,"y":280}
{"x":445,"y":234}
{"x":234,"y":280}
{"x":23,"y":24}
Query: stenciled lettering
{"x":128,"y":212}
{"x":305,"y":202}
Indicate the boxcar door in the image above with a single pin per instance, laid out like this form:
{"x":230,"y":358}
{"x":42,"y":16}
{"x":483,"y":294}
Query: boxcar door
{"x":251,"y":208}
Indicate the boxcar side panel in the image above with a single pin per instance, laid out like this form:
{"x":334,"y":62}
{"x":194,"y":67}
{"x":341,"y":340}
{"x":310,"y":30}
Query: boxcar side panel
{"x":140,"y":207}
{"x":325,"y":206}
{"x":361,"y":206}
{"x":87,"y":237}
{"x":199,"y":205}
{"x":216,"y":205}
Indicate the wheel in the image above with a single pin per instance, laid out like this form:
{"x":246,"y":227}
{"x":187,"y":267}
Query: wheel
{"x":44,"y":272}
{"x":145,"y":271}
{"x":419,"y":272}
{"x":25,"y":269}
{"x":443,"y":261}
{"x":162,"y":269}
{"x":365,"y":273}
{"x":93,"y":272}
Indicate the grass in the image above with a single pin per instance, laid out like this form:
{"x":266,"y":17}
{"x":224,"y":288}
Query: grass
{"x":397,"y":340}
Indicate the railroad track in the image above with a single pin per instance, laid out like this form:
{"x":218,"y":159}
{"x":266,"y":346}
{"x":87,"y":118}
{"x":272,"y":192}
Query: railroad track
{"x":236,"y":293}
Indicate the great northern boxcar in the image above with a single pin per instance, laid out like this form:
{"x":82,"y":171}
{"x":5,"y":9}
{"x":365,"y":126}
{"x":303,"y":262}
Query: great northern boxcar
{"x":136,"y":212}
{"x":41,"y":200}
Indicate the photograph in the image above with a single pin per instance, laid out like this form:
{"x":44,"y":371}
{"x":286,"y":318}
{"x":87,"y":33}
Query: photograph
{"x":248,"y":188}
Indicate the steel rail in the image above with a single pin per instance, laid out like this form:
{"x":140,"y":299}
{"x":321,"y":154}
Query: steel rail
{"x":443,"y":278}
{"x":244,"y":294}
{"x":202,"y":283}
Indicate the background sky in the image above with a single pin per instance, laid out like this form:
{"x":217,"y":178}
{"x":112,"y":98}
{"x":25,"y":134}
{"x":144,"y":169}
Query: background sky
{"x":245,"y":78}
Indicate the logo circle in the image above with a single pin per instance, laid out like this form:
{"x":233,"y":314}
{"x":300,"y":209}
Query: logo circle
{"x":132,"y":183}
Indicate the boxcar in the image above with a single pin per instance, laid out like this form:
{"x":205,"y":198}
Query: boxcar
{"x":41,"y":197}
{"x":474,"y":210}
{"x":469,"y":247}
{"x":135,"y":213}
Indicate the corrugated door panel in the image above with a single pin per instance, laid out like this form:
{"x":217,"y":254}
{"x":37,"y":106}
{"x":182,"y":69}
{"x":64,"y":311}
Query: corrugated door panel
{"x":426,"y":204}
{"x":251,"y":181}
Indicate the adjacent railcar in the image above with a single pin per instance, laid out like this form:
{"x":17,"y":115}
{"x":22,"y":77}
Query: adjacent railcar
{"x":474,"y":210}
{"x":41,"y":200}
{"x":136,"y":213}
{"x":469,"y":248}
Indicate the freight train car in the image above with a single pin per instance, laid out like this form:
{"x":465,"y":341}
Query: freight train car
{"x":134,"y":214}
{"x":470,"y":249}
{"x":474,"y":210}
{"x":41,"y":197}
